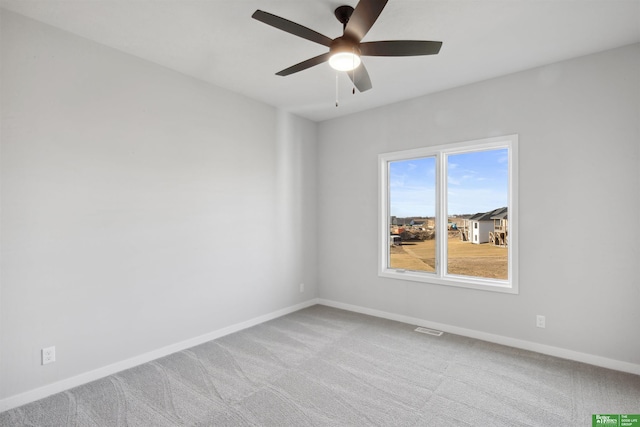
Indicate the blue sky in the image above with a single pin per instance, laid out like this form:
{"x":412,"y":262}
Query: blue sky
{"x":477,"y":182}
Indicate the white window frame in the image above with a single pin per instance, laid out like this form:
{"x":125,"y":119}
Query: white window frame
{"x":440,"y":152}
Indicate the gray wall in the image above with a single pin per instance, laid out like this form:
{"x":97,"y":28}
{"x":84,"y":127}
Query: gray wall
{"x":140,"y":207}
{"x":579,"y":198}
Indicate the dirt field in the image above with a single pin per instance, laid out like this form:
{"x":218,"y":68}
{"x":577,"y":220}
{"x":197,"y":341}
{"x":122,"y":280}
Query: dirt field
{"x":465,"y":258}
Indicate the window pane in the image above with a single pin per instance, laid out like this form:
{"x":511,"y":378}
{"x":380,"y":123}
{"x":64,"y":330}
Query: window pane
{"x":412,"y":244}
{"x":477,"y":200}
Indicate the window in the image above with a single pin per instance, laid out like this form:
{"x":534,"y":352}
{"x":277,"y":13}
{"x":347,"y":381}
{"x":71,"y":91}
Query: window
{"x":449,"y":214}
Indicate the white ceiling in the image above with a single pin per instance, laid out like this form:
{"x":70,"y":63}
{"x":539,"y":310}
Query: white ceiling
{"x":218,"y":42}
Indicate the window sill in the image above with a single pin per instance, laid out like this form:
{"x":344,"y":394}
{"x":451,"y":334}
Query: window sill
{"x":491,"y":285}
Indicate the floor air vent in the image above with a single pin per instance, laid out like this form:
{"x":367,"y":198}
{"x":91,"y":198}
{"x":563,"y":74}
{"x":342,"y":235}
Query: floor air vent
{"x":428,"y":331}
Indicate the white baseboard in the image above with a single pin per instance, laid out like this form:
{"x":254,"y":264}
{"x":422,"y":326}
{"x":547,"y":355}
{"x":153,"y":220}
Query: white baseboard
{"x":562,"y":353}
{"x":66,"y":384}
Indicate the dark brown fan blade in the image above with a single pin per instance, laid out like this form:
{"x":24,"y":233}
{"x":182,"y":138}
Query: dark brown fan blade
{"x":360,"y":78}
{"x":400,"y":48}
{"x":363,"y":18}
{"x":305,"y":64}
{"x":291,"y":27}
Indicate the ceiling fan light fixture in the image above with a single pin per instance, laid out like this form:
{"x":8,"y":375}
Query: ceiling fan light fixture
{"x":344,"y":61}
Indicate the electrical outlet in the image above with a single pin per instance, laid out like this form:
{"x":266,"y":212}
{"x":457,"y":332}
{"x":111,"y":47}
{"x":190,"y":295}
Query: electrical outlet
{"x":301,"y":287}
{"x":540,"y":321}
{"x":48,"y":355}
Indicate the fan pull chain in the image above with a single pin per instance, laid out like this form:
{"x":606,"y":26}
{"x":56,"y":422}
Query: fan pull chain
{"x":336,"y":89}
{"x":353,"y":72}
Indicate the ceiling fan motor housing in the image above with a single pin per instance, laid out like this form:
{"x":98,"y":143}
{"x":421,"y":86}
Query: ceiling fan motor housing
{"x":343,"y":44}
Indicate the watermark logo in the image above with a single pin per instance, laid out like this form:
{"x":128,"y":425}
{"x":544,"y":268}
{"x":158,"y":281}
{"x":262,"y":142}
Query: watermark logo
{"x":617,"y":420}
{"x":605,"y":420}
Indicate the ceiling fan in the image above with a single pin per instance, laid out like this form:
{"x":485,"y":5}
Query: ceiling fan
{"x":345,"y":51}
